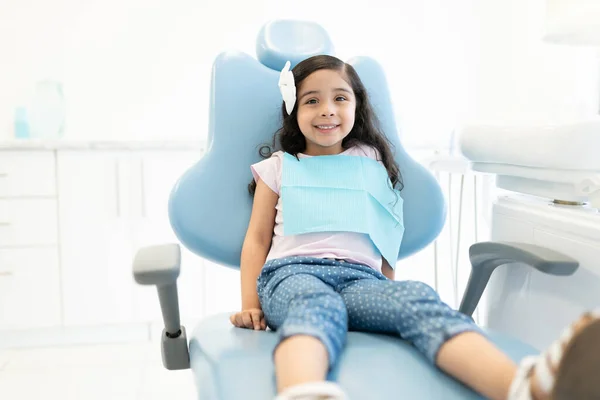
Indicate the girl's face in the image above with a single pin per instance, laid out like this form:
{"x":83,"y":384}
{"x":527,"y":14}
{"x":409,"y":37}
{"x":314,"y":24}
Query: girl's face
{"x":326,"y":107}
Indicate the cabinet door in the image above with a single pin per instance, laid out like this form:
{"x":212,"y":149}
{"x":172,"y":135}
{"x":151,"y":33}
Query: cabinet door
{"x":157,"y":174}
{"x":154,"y":176}
{"x":29,"y":288}
{"x":27,"y":174}
{"x":28,"y":222}
{"x":95,"y":236}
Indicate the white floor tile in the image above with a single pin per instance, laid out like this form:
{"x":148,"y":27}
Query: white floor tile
{"x":94,"y":383}
{"x":130,"y":354}
{"x":159,"y":384}
{"x":115,"y":372}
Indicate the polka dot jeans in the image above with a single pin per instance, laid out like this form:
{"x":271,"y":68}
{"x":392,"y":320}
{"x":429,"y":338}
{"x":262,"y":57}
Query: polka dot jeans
{"x":325,"y":298}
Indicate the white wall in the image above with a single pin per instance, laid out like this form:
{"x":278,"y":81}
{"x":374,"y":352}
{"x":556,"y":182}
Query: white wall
{"x":516,"y":76}
{"x":139,"y":69}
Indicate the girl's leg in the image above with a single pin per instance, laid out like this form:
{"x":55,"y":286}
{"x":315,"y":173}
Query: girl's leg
{"x":473,"y":360}
{"x":457,"y":346}
{"x":300,"y":359}
{"x":311,"y":320}
{"x":414,"y":311}
{"x":539,"y":378}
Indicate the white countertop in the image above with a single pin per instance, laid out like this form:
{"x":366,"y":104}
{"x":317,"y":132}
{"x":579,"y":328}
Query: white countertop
{"x":40,"y":144}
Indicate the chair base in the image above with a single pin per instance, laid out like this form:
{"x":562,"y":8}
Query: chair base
{"x":174,"y":351}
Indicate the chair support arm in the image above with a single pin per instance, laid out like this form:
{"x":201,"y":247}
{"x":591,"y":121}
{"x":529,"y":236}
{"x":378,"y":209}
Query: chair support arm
{"x":160,"y":266}
{"x":487,"y":256}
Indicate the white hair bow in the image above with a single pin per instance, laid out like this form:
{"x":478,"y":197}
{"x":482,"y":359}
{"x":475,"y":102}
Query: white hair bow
{"x":287,"y":87}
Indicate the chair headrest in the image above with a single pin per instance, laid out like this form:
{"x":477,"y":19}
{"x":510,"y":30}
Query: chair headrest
{"x":291,"y":40}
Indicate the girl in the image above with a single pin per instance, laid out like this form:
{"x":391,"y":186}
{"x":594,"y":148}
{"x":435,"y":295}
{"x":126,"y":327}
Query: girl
{"x":313,"y":287}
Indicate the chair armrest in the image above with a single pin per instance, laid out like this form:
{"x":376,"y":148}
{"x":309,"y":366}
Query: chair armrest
{"x":486,"y":256}
{"x":160,"y":266}
{"x":157,"y":265}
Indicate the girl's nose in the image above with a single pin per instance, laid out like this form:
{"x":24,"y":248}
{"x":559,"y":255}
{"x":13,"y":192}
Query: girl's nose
{"x":327,"y":111}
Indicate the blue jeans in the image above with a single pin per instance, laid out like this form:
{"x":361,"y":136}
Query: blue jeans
{"x":325,"y":298}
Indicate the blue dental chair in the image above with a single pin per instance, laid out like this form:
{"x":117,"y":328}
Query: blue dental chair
{"x":210,"y":208}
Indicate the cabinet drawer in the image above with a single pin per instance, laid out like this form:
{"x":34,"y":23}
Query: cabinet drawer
{"x":27,"y":174}
{"x":28,"y":222}
{"x":29,"y":288}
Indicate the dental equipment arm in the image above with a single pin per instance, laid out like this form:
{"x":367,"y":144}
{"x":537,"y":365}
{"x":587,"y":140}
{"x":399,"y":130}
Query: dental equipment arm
{"x":486,"y":256}
{"x":160,"y":266}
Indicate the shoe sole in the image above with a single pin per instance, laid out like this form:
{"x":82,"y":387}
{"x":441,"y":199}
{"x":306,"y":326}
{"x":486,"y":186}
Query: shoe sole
{"x":577,"y":376}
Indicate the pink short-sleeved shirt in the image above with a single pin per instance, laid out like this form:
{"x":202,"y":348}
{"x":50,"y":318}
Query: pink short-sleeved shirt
{"x":349,"y":246}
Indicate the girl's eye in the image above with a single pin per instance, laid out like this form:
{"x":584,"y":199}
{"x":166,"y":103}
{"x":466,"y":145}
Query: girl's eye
{"x":311,"y":101}
{"x":340,"y":98}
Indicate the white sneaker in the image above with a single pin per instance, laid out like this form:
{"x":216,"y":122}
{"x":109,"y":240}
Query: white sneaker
{"x":520,"y":388}
{"x":322,"y":390}
{"x":568,"y":369}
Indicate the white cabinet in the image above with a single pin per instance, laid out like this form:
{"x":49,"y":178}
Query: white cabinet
{"x":110,"y":205}
{"x":95,"y":237}
{"x":29,"y":288}
{"x":71,"y":221}
{"x":29,"y":269}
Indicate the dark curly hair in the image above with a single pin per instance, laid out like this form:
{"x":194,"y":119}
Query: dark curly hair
{"x":366,"y":129}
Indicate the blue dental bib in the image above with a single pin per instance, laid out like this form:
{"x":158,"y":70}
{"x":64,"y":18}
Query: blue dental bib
{"x":341,"y":193}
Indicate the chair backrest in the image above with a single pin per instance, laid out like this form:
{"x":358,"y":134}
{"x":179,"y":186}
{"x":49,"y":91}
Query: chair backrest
{"x":209,"y":207}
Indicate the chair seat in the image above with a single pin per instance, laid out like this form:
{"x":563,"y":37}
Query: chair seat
{"x":231,"y":363}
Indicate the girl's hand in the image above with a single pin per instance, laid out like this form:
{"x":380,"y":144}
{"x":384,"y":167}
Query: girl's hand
{"x":253,"y":318}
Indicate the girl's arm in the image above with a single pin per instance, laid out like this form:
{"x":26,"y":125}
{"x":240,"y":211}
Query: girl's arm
{"x":387,"y":270}
{"x":257,"y":242}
